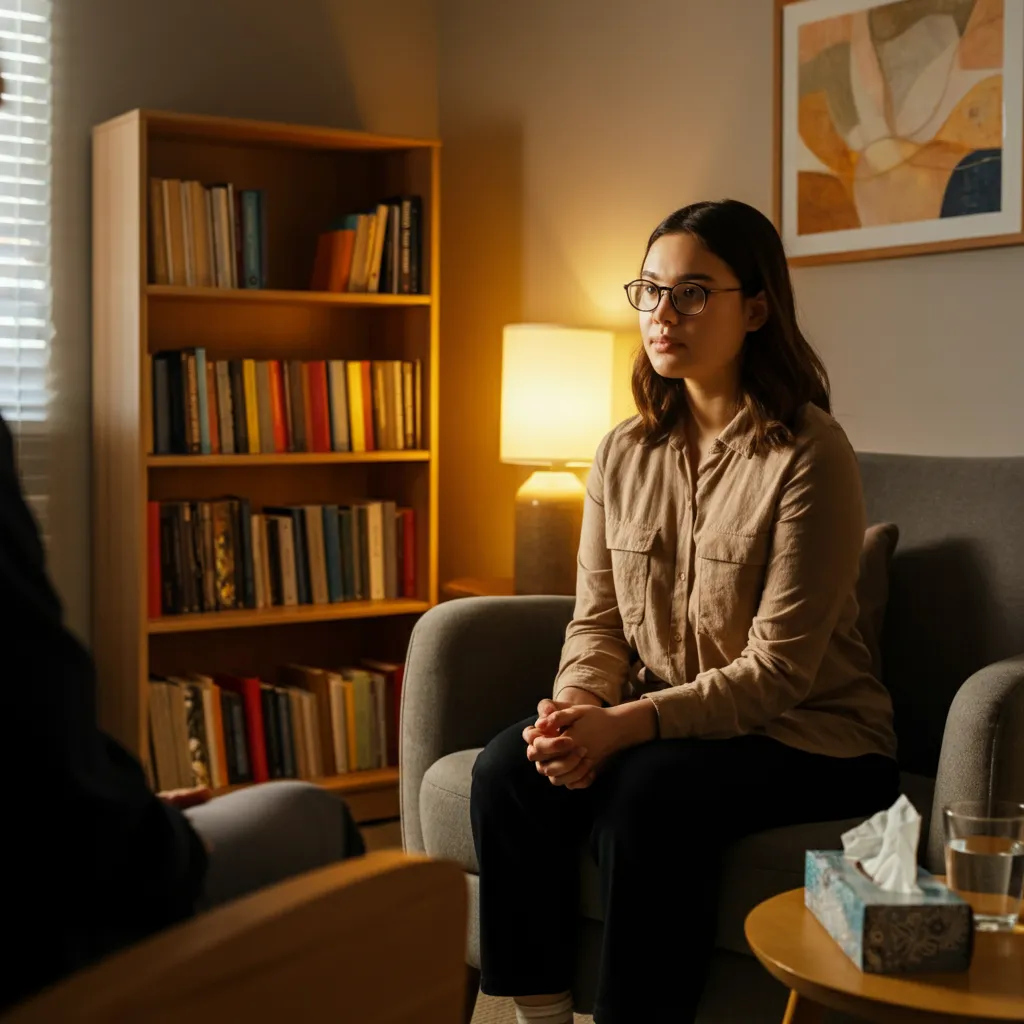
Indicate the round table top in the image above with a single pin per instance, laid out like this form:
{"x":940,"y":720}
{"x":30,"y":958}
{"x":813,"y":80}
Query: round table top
{"x":791,"y":943}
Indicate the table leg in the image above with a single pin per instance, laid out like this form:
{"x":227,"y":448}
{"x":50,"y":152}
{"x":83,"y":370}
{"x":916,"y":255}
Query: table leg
{"x":802,"y":1010}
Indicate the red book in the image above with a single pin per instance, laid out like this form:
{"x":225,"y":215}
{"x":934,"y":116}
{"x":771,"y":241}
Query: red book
{"x":372,"y":443}
{"x":253,"y":701}
{"x":320,"y":411}
{"x":277,"y":406}
{"x":408,"y":552}
{"x":154,"y":582}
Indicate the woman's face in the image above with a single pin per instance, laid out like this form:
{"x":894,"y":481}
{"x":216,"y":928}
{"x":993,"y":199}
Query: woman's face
{"x":706,"y":347}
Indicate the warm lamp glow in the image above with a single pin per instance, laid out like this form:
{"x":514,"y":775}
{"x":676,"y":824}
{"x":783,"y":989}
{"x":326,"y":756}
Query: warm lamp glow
{"x":556,"y":393}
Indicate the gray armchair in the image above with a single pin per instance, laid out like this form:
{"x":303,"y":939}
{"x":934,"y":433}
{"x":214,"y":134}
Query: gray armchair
{"x":952,"y":643}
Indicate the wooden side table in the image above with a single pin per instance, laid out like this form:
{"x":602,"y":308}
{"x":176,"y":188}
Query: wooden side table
{"x":471,"y":586}
{"x":796,"y":949}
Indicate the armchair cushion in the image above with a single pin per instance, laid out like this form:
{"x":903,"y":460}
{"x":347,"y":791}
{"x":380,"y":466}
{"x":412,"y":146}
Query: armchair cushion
{"x":444,"y":809}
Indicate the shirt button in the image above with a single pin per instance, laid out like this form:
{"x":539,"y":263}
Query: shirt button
{"x":682,"y":576}
{"x":676,"y":638}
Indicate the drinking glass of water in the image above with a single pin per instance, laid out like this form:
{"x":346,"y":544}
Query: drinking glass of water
{"x":985,"y":859}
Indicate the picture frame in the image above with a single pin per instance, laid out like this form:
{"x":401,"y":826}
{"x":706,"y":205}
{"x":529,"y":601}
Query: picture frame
{"x":898,"y":127}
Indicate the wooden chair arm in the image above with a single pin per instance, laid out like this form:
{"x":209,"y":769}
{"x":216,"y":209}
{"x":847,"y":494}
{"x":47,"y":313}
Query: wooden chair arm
{"x":374,"y":939}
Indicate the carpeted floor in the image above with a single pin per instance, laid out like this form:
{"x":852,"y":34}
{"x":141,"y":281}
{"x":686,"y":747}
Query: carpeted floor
{"x":501,"y":1011}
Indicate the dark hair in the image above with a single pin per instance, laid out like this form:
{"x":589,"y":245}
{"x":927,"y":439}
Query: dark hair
{"x":779,"y":371}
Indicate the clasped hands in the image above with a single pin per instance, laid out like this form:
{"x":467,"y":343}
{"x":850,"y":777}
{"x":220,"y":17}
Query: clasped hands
{"x":571,"y":740}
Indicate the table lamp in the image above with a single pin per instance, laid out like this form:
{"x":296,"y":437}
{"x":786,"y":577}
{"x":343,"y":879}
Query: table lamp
{"x":556,"y":405}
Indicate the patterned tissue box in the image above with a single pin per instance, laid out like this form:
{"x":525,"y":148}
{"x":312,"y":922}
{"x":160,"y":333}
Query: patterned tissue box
{"x":888,"y":932}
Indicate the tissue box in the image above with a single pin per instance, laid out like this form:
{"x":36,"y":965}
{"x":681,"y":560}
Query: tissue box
{"x":888,"y":932}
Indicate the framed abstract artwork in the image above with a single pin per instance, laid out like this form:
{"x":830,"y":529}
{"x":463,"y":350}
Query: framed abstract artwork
{"x":898,"y":126}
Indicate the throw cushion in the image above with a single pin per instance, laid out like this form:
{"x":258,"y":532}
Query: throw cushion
{"x":873,"y":587}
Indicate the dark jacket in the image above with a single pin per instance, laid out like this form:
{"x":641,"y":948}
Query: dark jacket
{"x":94,"y":860}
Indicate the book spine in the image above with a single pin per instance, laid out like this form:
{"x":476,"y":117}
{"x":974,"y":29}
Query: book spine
{"x":154,"y":580}
{"x":320,"y":403}
{"x":252,"y":408}
{"x":213,"y":410}
{"x":366,"y":385}
{"x":338,"y":387}
{"x":332,"y":553}
{"x":251,"y":269}
{"x":405,"y":242}
{"x":279,"y":407}
{"x":356,"y":416}
{"x":197,"y":368}
{"x":416,"y":247}
{"x":225,"y":407}
{"x":224,"y":556}
{"x":235,"y":236}
{"x":246,"y":552}
{"x":158,"y":270}
{"x":209,"y":556}
{"x":162,"y":437}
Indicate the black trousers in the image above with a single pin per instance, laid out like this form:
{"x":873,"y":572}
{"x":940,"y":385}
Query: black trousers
{"x":657,"y":819}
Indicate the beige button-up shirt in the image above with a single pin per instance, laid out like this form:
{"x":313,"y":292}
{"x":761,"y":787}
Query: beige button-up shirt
{"x":729,"y":600}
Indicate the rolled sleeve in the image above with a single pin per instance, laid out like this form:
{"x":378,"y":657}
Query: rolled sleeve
{"x":596,"y":653}
{"x":812,"y":569}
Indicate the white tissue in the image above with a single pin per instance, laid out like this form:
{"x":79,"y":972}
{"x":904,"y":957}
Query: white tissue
{"x":885,"y":846}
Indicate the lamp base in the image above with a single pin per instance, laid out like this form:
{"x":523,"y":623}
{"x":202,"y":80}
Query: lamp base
{"x":549,"y":515}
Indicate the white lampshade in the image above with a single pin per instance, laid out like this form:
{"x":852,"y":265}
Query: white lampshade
{"x":556,"y":393}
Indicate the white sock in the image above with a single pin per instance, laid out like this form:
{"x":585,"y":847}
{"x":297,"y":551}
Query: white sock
{"x":558,"y":1012}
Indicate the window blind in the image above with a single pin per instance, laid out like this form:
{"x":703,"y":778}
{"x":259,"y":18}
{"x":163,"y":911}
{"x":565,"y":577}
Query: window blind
{"x":26,"y":329}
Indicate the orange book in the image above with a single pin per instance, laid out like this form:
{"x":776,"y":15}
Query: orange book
{"x":372,"y":441}
{"x":277,"y":406}
{"x":342,"y":246}
{"x":307,"y":412}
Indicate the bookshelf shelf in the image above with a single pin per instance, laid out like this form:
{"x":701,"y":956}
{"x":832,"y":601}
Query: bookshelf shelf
{"x":306,"y":179}
{"x":349,"y":782}
{"x":282,"y":297}
{"x":285,"y":616}
{"x":283,"y":459}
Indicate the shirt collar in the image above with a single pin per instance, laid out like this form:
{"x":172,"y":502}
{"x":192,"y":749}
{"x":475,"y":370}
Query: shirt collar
{"x":738,"y":434}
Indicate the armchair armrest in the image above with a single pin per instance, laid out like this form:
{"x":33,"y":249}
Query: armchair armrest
{"x":982,"y":746}
{"x":473,"y":668}
{"x":374,"y":939}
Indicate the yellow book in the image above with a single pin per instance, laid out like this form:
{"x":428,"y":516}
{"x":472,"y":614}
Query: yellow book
{"x":356,"y":421}
{"x":350,"y":723}
{"x":252,"y":405}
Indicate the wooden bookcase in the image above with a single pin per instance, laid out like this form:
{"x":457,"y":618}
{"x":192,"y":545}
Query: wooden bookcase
{"x":310,"y":176}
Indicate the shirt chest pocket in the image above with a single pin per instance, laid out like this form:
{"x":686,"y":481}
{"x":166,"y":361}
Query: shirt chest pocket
{"x":731,"y":568}
{"x":630,"y":544}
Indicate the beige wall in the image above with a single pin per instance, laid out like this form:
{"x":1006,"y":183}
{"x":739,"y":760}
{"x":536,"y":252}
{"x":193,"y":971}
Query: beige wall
{"x":554,"y":172}
{"x":367,"y":64}
{"x":570,"y":129}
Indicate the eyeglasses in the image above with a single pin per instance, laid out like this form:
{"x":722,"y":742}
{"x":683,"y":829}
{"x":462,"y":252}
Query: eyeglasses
{"x":688,"y":297}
